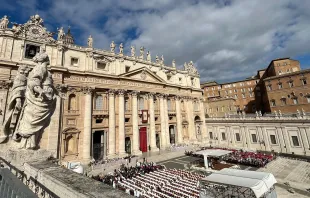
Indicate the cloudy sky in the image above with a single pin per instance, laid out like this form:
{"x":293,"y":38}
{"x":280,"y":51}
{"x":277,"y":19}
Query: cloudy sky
{"x":226,"y":39}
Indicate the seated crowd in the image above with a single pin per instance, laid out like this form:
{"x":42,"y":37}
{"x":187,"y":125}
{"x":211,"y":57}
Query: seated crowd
{"x":102,"y":163}
{"x":248,"y":158}
{"x":153,"y":181}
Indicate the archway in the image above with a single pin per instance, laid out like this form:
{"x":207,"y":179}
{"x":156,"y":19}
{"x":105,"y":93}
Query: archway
{"x":98,"y":145}
{"x":172,"y":134}
{"x":157,"y":140}
{"x":128,"y":145}
{"x":198,"y":124}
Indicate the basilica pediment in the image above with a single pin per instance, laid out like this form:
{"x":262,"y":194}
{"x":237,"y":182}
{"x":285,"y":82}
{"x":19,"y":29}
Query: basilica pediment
{"x":143,"y":74}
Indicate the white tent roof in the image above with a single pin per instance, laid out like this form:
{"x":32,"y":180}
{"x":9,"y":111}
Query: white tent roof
{"x":258,"y":182}
{"x":213,"y":152}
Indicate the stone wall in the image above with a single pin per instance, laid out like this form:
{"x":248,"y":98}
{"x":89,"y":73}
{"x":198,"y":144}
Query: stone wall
{"x":289,"y":135}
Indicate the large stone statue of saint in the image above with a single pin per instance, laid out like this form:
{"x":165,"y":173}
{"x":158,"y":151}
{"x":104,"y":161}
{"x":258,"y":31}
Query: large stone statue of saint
{"x":16,"y":100}
{"x":38,"y":106}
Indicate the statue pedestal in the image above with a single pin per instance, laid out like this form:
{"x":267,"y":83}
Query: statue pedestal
{"x":19,"y":156}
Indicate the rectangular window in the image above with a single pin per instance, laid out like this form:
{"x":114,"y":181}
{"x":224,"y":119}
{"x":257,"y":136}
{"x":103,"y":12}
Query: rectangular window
{"x":283,"y":101}
{"x":74,"y":62}
{"x":31,"y":50}
{"x":273,"y":139}
{"x":291,"y":84}
{"x":180,"y":80}
{"x":254,"y":139}
{"x":295,"y":101}
{"x":102,"y":66}
{"x":269,"y":87}
{"x":243,"y":95}
{"x":211,"y":135}
{"x":236,"y":96}
{"x":304,"y":81}
{"x":237,"y":137}
{"x":273,"y":103}
{"x":223,"y":136}
{"x":127,"y":68}
{"x":308,"y":99}
{"x":280,"y":86}
{"x":295,"y":140}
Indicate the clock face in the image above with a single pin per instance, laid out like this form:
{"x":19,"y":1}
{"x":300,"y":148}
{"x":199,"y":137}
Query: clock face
{"x":35,"y":31}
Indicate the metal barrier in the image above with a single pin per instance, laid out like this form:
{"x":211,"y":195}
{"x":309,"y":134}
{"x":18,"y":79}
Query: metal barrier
{"x":30,"y":183}
{"x":11,"y":186}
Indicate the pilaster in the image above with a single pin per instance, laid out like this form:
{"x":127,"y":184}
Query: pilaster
{"x":162,"y":122}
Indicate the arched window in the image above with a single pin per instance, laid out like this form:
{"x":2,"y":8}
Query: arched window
{"x":141,"y":103}
{"x":72,"y":102}
{"x":99,"y":102}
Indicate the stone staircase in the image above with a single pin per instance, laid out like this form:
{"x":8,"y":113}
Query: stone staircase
{"x":296,"y":172}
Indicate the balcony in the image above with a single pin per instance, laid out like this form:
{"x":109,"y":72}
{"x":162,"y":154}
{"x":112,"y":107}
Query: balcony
{"x":171,"y":112}
{"x":100,"y":112}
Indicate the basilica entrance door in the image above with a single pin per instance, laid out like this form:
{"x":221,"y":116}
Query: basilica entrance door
{"x":98,"y":145}
{"x":143,"y":139}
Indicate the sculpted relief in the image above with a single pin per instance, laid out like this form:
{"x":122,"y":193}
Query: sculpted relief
{"x":31,"y":104}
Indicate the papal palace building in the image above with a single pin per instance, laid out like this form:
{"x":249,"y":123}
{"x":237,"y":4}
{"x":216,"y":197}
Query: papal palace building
{"x":109,"y":103}
{"x":280,"y":88}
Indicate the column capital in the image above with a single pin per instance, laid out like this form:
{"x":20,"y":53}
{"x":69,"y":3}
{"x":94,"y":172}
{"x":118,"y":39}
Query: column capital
{"x":121,"y":92}
{"x":159,"y":95}
{"x":177,"y":97}
{"x":112,"y":92}
{"x":151,"y":94}
{"x":88,"y":90}
{"x":134,"y":93}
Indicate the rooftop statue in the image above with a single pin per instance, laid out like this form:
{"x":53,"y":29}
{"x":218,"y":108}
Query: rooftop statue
{"x":32,"y":103}
{"x":157,"y":59}
{"x":61,"y":33}
{"x":112,"y":46}
{"x":141,"y":53}
{"x":133,"y":51}
{"x":162,"y":59}
{"x":121,"y":49}
{"x":4,"y":22}
{"x":173,"y":63}
{"x":90,"y":41}
{"x":148,"y":56}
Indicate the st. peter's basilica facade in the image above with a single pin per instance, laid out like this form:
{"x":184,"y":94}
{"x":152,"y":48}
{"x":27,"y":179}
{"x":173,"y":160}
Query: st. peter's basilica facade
{"x":109,"y":103}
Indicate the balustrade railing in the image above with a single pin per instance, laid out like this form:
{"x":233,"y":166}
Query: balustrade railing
{"x":15,"y":183}
{"x":100,"y":112}
{"x":267,"y":116}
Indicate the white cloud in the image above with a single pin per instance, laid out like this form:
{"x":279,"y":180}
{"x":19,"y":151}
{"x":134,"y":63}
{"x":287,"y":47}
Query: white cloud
{"x":227,"y":39}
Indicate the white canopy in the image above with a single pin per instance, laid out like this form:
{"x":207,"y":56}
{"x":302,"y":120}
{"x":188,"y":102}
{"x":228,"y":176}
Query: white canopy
{"x":258,"y":182}
{"x":213,"y":152}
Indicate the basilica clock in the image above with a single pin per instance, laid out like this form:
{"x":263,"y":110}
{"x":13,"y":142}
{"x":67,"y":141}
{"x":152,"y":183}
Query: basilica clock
{"x":35,"y":31}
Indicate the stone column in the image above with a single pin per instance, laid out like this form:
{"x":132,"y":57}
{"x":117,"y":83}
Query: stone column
{"x":162,"y":122}
{"x":135,"y":128}
{"x":166,"y":120}
{"x":60,"y":50}
{"x":87,"y":133}
{"x":111,"y":149}
{"x":179,"y":120}
{"x":152,"y":123}
{"x":190,"y":119}
{"x":203,"y":120}
{"x":121,"y":123}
